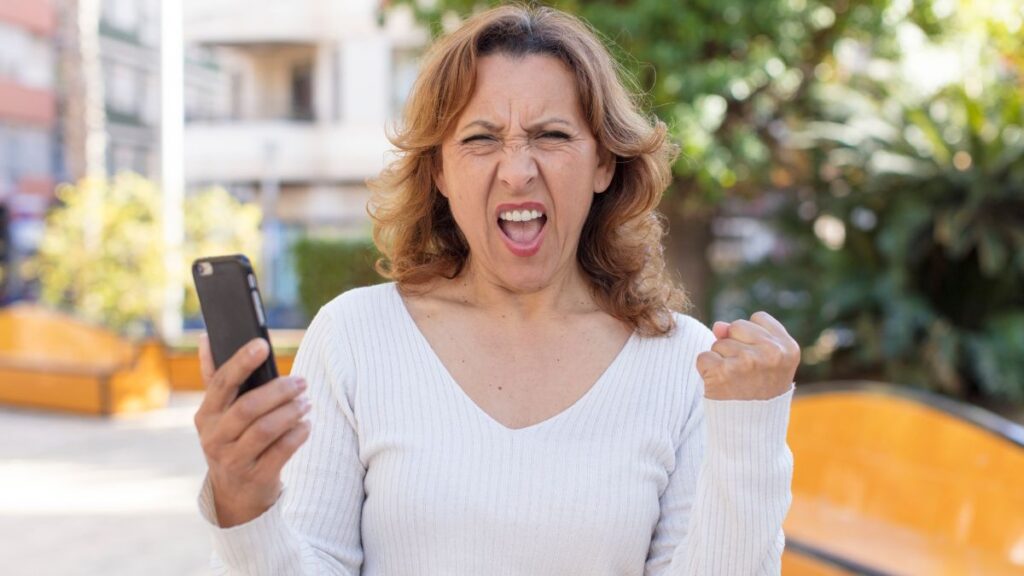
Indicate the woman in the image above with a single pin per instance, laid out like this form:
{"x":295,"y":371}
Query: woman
{"x":522,"y":399}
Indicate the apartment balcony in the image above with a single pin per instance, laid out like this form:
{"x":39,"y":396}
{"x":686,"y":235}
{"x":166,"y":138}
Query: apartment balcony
{"x":283,"y":150}
{"x":267,"y":22}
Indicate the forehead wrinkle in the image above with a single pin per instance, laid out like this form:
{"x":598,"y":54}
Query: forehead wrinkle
{"x":527,"y":113}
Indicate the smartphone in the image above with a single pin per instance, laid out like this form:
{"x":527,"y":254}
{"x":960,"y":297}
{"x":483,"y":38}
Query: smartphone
{"x":232,"y":311}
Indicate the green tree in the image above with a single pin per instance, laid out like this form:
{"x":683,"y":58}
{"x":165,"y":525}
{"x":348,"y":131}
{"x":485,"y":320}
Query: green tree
{"x":731,"y":78}
{"x":905,"y":256}
{"x":102,"y":253}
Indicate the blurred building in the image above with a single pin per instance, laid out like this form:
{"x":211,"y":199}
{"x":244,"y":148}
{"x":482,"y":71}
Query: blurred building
{"x":28,"y":130}
{"x":291,"y":110}
{"x":79,"y":95}
{"x":110,"y":77}
{"x":130,"y":60}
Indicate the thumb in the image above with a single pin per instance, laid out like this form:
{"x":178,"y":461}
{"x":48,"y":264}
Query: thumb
{"x":721,"y":330}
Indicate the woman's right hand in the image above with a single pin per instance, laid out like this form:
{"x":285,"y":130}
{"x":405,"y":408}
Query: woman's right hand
{"x":247,"y":442}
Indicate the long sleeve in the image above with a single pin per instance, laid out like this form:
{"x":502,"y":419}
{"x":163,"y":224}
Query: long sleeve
{"x":729,"y":493}
{"x":314,"y":527}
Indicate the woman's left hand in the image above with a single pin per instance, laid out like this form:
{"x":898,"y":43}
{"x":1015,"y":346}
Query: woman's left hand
{"x":752,"y":359}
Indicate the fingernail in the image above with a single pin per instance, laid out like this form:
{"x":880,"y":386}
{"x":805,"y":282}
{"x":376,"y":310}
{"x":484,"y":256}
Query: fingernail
{"x":301,"y":384}
{"x":257,"y":346}
{"x":304,"y":404}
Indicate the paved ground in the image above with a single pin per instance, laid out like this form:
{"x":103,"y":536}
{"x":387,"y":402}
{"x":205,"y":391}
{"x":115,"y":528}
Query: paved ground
{"x":83,"y":496}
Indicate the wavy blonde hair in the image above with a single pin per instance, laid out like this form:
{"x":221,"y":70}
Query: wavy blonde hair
{"x":620,"y":250}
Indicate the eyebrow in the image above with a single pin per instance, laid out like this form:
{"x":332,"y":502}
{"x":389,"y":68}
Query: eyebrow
{"x":487,"y":125}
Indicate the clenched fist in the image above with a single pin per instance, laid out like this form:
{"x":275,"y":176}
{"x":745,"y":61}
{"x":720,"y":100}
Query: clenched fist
{"x":752,"y":359}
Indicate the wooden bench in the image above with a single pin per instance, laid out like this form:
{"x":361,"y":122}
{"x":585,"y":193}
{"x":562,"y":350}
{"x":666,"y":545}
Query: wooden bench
{"x":896,"y":481}
{"x":49,"y":360}
{"x":183,"y":360}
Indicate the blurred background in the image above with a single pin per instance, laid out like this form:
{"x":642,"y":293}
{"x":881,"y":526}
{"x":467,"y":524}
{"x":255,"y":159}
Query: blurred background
{"x":855,"y":168}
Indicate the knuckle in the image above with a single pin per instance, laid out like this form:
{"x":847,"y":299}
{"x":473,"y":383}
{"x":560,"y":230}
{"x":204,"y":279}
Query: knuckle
{"x":794,"y":348}
{"x":247,"y":406}
{"x":206,"y":445}
{"x":265,"y":429}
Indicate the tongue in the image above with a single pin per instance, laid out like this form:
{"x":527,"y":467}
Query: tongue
{"x":521,"y":232}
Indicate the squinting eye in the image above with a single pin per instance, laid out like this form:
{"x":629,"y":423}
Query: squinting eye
{"x":478,"y":138}
{"x":555,"y":135}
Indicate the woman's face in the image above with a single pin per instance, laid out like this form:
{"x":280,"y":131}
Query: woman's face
{"x":520,"y":169}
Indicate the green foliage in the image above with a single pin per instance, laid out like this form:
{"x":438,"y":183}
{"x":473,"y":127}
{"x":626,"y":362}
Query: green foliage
{"x":217,"y":223}
{"x":102,"y":256}
{"x":326,"y":268}
{"x":926,"y":285}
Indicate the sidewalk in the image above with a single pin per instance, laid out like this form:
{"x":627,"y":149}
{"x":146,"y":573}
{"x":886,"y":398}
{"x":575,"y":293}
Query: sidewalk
{"x":84,"y":496}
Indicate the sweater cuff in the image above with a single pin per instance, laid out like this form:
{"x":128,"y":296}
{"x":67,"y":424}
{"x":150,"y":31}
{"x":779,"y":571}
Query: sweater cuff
{"x":748,"y":429}
{"x":250,"y":547}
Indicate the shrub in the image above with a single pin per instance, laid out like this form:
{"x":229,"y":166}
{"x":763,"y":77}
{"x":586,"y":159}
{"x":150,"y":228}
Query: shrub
{"x":326,"y":268}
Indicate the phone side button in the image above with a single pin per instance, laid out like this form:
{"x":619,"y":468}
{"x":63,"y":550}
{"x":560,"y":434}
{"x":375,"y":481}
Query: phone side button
{"x":259,"y":308}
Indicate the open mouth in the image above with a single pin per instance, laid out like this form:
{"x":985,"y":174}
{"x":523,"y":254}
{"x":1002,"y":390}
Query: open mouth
{"x":522,"y":230}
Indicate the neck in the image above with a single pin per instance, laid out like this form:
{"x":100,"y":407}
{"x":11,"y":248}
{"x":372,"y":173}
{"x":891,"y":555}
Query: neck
{"x":566,"y":294}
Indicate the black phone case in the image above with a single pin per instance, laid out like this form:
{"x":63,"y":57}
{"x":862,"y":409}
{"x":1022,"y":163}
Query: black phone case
{"x":233,"y":312}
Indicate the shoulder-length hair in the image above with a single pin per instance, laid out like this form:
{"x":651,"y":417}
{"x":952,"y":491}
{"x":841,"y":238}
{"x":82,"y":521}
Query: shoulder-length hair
{"x":620,"y":250}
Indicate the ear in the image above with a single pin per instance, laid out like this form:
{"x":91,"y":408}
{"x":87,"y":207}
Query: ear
{"x":439,"y":179}
{"x":605,"y":171}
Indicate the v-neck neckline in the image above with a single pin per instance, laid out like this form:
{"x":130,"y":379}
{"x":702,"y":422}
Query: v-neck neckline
{"x":594,"y":389}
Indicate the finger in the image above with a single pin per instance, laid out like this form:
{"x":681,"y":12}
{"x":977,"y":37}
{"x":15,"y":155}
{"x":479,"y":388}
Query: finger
{"x":720,"y":329}
{"x":708,"y":363}
{"x":223,"y":387}
{"x":257,"y":404}
{"x":730,"y":348}
{"x":258,"y":437}
{"x":769,"y":323}
{"x":274,"y":458}
{"x":206,"y":368}
{"x":749,"y":333}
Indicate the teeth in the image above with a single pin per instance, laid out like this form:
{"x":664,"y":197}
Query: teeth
{"x":520,"y":215}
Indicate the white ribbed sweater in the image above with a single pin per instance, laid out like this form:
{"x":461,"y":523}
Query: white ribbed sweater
{"x":404,"y":474}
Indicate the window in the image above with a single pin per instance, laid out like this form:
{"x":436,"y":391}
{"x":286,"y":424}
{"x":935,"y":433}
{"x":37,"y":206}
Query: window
{"x":124,"y":90}
{"x":237,"y":89}
{"x":24,"y":58}
{"x":121,"y":14}
{"x":404,"y":68}
{"x":302,"y":92}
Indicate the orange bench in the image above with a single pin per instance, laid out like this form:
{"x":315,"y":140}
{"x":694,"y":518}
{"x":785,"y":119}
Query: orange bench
{"x":50,"y":360}
{"x":895,"y":481}
{"x":183,"y":360}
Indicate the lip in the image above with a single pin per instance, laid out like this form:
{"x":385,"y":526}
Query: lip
{"x":522,"y":250}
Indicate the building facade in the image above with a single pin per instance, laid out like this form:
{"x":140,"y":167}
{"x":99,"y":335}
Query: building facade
{"x":79,"y":95}
{"x":29,"y":159}
{"x":298,"y":97}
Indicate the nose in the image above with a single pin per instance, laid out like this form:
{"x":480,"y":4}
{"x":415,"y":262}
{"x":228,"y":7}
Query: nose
{"x":518,"y":168}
